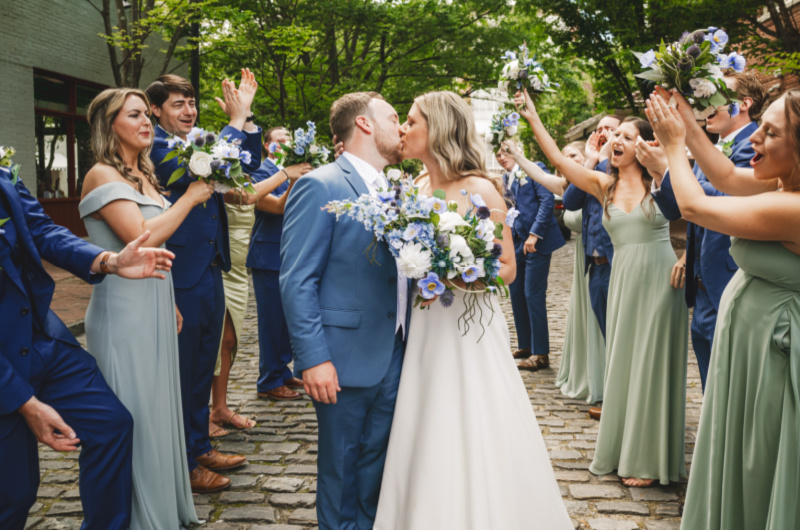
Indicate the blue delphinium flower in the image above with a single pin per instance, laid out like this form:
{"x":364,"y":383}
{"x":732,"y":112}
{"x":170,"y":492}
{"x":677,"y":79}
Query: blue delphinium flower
{"x":510,"y":55}
{"x":226,"y":168}
{"x":734,"y":109}
{"x":471,"y":274}
{"x":299,"y":151}
{"x":447,"y":297}
{"x":386,"y":196}
{"x":245,"y":157}
{"x":412,"y":231}
{"x":477,"y":200}
{"x":717,"y":38}
{"x":738,"y":62}
{"x":430,"y":286}
{"x":273,"y":147}
{"x":647,"y":58}
{"x":511,"y":216}
{"x":463,"y":192}
{"x":438,"y":205}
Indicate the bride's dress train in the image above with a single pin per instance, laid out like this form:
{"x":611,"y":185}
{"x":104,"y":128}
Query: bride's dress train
{"x":465,"y":450}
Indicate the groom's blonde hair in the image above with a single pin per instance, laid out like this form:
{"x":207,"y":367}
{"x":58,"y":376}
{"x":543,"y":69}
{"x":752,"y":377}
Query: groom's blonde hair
{"x":452,"y":137}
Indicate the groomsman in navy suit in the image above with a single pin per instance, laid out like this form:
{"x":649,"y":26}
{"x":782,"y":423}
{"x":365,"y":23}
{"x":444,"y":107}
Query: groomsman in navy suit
{"x":707,"y":265}
{"x":202,"y":252}
{"x":536,"y":237}
{"x":275,"y":380}
{"x":51,"y":390}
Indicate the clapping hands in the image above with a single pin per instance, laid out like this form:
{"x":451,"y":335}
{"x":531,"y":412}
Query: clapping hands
{"x":667,"y":122}
{"x":236,"y":103}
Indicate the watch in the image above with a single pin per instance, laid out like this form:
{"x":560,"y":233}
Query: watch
{"x":252,"y":117}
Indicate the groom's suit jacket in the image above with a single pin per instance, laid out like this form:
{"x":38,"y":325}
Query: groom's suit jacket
{"x":27,"y":237}
{"x":339,"y":306}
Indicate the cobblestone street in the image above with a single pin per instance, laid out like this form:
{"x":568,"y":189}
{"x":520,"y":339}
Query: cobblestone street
{"x":276,"y":490}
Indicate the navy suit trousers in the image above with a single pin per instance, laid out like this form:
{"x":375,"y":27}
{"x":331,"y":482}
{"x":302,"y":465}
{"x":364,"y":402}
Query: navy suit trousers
{"x":599,"y":276}
{"x":353,"y":438}
{"x":275,"y":348}
{"x":704,"y":321}
{"x":203,"y":310}
{"x":529,"y":302}
{"x":66,"y":377}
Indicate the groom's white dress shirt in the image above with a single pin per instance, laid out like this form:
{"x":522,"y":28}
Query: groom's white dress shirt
{"x":375,"y":180}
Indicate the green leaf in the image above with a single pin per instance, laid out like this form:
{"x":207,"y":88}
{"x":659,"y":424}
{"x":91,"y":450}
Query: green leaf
{"x":170,"y":156}
{"x":14,"y":175}
{"x":717,"y":100}
{"x":440,"y":194}
{"x":176,"y":175}
{"x":4,"y":221}
{"x":651,"y":75}
{"x":498,"y":230}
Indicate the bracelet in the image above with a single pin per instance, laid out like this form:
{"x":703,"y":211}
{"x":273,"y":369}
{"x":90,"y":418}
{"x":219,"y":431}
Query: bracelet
{"x":104,"y":262}
{"x":285,"y":173}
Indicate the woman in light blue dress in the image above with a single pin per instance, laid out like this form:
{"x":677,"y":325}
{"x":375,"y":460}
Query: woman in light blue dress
{"x":132,"y":326}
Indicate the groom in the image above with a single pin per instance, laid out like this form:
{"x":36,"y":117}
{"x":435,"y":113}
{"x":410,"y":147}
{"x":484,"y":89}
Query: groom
{"x":346,"y":315}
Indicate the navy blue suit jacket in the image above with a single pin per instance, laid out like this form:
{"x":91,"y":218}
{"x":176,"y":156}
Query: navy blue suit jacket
{"x":204,"y":232}
{"x":29,"y":236}
{"x":716,"y":266}
{"x":265,"y":243}
{"x":594,"y":235}
{"x":535,"y":204}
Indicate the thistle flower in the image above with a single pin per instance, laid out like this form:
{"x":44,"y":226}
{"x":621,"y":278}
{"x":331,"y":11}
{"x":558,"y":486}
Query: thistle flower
{"x":698,"y":37}
{"x":483,"y":212}
{"x":447,"y":297}
{"x":685,"y":63}
{"x":199,"y":141}
{"x":210,"y":138}
{"x":694,"y":51}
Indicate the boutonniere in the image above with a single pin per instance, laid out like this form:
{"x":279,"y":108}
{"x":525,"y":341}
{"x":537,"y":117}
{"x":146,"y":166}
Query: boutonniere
{"x":2,"y":222}
{"x":520,"y":176}
{"x":5,"y":160}
{"x":727,"y":148}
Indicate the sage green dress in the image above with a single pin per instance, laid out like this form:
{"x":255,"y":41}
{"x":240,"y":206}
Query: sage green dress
{"x":642,"y":426}
{"x":583,"y":362}
{"x":236,"y":282}
{"x":131,"y":330}
{"x":746,"y":467}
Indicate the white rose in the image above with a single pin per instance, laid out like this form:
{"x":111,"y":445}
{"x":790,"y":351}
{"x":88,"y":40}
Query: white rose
{"x":200,"y":164}
{"x":703,"y":88}
{"x":513,"y":72}
{"x":313,"y":149}
{"x":414,"y":261}
{"x":448,"y":221}
{"x":219,"y":187}
{"x":459,"y":247}
{"x":394,"y":175}
{"x":715,"y":71}
{"x":536,"y":84}
{"x":511,"y":131}
{"x":705,"y":113}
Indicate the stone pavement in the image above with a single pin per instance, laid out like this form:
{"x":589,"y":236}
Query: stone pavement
{"x":276,"y":490}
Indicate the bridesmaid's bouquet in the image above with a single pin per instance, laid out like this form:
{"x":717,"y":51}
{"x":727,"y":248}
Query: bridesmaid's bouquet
{"x":208,"y":157}
{"x":694,"y":65}
{"x":301,"y":148}
{"x":5,"y":160}
{"x":521,"y":72}
{"x":434,"y":244}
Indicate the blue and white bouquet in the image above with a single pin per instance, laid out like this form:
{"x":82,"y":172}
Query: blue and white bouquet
{"x":301,"y":148}
{"x":504,"y":126}
{"x":5,"y":160}
{"x":208,"y":157}
{"x":521,"y":71}
{"x":694,"y":65}
{"x":434,"y":244}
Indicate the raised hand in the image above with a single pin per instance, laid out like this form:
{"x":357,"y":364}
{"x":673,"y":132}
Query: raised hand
{"x":48,"y":426}
{"x":605,"y":140}
{"x":247,"y":87}
{"x":666,"y":121}
{"x":685,"y":110}
{"x":652,"y":156}
{"x":510,"y":149}
{"x":524,"y":104}
{"x":338,"y":147}
{"x":298,"y":170}
{"x":137,"y":262}
{"x":593,"y":145}
{"x":234,"y":104}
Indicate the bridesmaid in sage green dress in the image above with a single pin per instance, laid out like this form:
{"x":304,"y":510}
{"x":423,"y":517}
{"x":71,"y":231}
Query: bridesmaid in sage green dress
{"x":642,"y":425}
{"x":583,"y":360}
{"x":746,"y":466}
{"x":131,"y":326}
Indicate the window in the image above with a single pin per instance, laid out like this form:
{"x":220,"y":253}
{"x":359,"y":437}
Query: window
{"x":63,"y":149}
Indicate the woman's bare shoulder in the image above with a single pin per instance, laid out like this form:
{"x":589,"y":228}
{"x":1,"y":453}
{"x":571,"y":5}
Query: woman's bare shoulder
{"x":100,"y":174}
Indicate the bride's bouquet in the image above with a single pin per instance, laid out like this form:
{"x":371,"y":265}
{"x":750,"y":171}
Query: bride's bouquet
{"x":504,"y":126}
{"x":301,"y":148}
{"x":693,"y":65}
{"x":521,"y":72}
{"x":5,"y":160}
{"x":434,"y":244}
{"x":208,"y":157}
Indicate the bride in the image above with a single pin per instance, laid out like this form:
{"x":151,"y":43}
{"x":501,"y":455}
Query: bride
{"x":465,"y":449}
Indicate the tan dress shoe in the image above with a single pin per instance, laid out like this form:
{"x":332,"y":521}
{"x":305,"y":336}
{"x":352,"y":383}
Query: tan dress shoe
{"x":294,"y":383}
{"x":216,"y":461}
{"x":282,"y":393}
{"x":595,"y":412}
{"x":205,"y":481}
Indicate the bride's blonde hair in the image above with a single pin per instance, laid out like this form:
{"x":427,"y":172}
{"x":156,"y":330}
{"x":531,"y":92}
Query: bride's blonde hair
{"x":452,"y":138}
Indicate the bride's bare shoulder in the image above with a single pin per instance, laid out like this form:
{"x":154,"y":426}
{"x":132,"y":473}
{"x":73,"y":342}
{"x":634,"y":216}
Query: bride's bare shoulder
{"x":482,"y":185}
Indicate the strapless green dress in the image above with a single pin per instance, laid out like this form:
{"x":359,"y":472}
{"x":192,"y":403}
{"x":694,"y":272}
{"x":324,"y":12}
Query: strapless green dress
{"x":647,"y":335}
{"x":746,"y":468}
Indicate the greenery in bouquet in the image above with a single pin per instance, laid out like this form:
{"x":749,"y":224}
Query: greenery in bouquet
{"x":301,"y":148}
{"x":694,"y":66}
{"x":434,"y":244}
{"x":504,"y":126}
{"x":206,"y":156}
{"x":5,"y":161}
{"x":521,"y":71}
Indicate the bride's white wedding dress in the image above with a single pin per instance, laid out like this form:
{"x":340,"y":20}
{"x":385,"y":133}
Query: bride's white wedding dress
{"x":465,"y":450}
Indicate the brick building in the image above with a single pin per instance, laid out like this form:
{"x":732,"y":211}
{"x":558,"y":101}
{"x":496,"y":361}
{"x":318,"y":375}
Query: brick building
{"x":52,"y":64}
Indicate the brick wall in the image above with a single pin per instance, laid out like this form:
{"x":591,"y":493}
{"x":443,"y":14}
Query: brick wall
{"x":56,"y":35}
{"x":777,"y":84}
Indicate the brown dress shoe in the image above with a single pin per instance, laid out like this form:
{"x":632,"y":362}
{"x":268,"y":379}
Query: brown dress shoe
{"x":216,"y":461}
{"x":282,"y":393}
{"x":534,"y":363}
{"x":523,"y":353}
{"x":205,"y":481}
{"x":595,"y":412}
{"x":294,"y":383}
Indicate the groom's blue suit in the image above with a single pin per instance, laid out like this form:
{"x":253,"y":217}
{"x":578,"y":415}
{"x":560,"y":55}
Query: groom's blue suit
{"x":341,"y":308}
